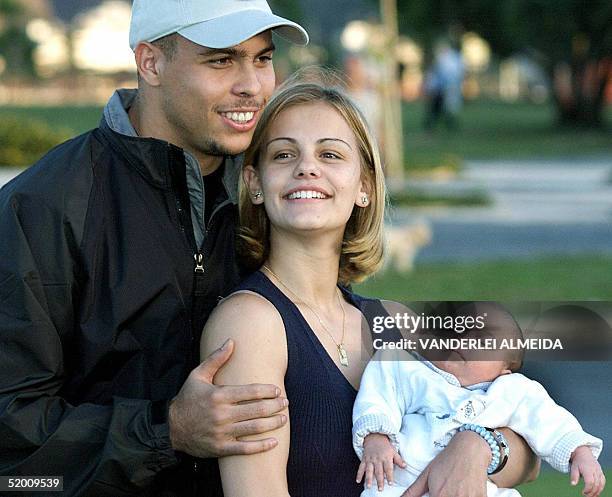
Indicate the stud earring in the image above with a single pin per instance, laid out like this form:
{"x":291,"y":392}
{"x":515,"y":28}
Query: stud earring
{"x":257,"y":195}
{"x":364,"y":200}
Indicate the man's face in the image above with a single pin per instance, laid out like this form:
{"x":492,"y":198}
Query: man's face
{"x":212,"y":98}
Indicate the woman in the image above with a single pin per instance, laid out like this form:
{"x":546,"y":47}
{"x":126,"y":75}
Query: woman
{"x":312,"y":211}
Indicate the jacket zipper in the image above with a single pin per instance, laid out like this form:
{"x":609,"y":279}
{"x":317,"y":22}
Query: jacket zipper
{"x":199,"y":262}
{"x":198,"y":256}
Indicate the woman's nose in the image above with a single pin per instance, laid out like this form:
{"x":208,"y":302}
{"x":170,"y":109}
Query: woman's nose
{"x":307,"y":168}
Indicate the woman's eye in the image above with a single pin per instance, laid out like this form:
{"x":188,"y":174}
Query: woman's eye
{"x":282,"y":155}
{"x":330,"y":155}
{"x":265,"y":59}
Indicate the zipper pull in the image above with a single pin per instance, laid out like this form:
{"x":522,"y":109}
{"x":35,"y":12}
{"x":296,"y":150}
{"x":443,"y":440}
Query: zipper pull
{"x":199,"y":260}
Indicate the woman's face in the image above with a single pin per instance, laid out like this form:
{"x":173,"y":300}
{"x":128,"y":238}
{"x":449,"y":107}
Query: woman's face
{"x":309,"y":170}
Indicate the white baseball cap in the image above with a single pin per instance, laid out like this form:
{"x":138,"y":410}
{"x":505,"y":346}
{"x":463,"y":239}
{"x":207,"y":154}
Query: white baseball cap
{"x":210,"y":23}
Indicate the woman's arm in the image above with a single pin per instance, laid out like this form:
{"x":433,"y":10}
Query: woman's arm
{"x":260,"y":356}
{"x":523,"y":465}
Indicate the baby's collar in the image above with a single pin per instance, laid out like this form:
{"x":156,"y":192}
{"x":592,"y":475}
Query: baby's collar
{"x":449,"y":377}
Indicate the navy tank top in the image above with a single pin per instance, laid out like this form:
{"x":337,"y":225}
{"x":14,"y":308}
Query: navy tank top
{"x":322,"y":462}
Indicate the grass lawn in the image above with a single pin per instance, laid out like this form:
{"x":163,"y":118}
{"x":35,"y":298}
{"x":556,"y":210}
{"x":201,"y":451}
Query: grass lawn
{"x":551,"y":278}
{"x":554,"y":484}
{"x":493,"y":129}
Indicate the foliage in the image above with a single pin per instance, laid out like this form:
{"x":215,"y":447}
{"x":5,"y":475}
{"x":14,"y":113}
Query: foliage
{"x":25,"y":141}
{"x":10,"y":8}
{"x":15,"y":45}
{"x":547,"y":25}
{"x":76,"y":118}
{"x":573,"y":32}
{"x":290,"y":9}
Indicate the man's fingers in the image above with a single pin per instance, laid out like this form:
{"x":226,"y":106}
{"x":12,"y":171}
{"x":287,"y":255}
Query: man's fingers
{"x":419,"y":487}
{"x":258,"y":409}
{"x":248,"y":447}
{"x":257,"y":426}
{"x":234,"y":394}
{"x":209,"y":367}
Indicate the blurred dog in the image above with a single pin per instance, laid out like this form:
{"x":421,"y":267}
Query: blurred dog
{"x":402,"y":244}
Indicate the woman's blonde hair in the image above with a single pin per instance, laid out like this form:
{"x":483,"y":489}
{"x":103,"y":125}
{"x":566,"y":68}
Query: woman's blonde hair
{"x":362,"y":245}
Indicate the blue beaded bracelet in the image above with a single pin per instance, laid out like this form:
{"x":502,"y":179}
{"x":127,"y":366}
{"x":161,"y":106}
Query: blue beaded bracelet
{"x":487,"y":437}
{"x":503,"y":446}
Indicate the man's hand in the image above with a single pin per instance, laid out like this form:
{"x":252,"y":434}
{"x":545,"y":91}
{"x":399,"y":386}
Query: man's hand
{"x":584,"y":464}
{"x":460,"y":470}
{"x":207,"y":420}
{"x":378,"y":459}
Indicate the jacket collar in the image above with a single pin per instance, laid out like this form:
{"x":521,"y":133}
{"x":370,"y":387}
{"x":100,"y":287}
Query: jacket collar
{"x":150,"y":155}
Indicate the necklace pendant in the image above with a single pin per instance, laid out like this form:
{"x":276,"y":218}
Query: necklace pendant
{"x":343,"y":356}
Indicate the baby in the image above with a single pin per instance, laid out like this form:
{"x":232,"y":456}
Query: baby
{"x":410,"y":407}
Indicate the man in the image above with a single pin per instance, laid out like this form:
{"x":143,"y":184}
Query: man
{"x":116,"y":246}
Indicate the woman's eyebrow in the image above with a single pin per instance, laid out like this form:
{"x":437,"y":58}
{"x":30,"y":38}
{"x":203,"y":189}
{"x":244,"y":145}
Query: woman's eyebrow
{"x":284,"y":138}
{"x":334,"y":140}
{"x":319,"y":141}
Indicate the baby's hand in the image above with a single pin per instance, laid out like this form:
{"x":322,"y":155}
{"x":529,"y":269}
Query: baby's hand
{"x":583,"y":463}
{"x":378,"y":459}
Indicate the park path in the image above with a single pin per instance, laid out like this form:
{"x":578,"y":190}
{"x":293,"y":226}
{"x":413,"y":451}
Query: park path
{"x":7,"y":174}
{"x":539,"y":208}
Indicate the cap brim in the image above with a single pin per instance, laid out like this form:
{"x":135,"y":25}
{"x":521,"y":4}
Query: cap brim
{"x":233,"y":29}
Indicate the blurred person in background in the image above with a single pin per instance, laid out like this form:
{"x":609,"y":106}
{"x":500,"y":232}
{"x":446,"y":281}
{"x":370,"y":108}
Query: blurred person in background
{"x":443,"y":87}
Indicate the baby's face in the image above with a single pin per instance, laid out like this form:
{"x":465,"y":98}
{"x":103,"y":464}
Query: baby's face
{"x":472,"y":372}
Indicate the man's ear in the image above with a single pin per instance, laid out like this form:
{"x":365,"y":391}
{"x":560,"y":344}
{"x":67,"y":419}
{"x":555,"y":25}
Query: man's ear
{"x":250,"y":175}
{"x":150,"y":62}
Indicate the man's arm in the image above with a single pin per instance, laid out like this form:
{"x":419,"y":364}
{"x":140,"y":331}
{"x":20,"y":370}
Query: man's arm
{"x":113,"y":449}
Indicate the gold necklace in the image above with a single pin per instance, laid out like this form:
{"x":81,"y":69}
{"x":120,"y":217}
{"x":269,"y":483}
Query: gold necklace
{"x":342,"y":355}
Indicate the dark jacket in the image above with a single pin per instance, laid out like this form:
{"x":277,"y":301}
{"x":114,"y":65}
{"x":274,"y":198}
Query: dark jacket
{"x":101,"y":310}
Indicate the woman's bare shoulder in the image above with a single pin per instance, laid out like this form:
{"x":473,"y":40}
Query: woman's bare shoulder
{"x":254,"y":324}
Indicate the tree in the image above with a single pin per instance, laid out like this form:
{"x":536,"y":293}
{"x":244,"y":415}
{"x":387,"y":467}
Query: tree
{"x":571,"y":38}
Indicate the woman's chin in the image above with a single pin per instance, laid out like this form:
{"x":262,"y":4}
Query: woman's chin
{"x":311,"y":226}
